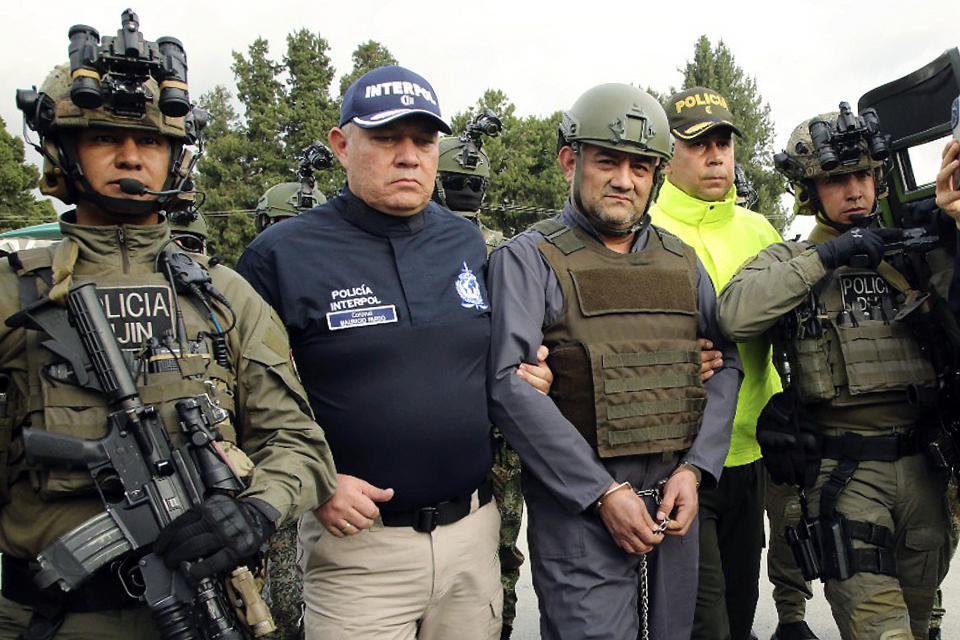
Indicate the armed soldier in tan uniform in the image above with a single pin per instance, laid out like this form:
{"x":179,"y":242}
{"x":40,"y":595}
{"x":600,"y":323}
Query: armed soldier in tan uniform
{"x":841,"y":316}
{"x":116,"y":144}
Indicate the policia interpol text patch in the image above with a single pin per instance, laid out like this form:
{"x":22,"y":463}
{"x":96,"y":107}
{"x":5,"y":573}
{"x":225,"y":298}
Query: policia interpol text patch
{"x":137,"y":313}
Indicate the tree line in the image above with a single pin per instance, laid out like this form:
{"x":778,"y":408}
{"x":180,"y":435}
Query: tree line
{"x":290,"y":102}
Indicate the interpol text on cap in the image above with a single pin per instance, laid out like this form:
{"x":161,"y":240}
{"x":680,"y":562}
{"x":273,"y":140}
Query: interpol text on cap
{"x":386,"y":94}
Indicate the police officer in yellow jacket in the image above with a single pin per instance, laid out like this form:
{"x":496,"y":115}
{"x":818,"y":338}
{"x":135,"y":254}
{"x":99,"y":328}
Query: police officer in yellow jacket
{"x":697,"y":202}
{"x":840,"y":315}
{"x":115,"y":129}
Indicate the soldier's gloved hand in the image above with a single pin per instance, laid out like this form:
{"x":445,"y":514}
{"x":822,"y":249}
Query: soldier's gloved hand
{"x":216,"y":536}
{"x":790,"y":444}
{"x":854,"y":242}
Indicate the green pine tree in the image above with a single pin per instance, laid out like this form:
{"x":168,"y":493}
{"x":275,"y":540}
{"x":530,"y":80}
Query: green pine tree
{"x":18,"y":206}
{"x":366,"y":57}
{"x":716,"y":68}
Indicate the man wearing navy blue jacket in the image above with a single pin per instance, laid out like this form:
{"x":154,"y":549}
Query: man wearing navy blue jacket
{"x":383,"y":294}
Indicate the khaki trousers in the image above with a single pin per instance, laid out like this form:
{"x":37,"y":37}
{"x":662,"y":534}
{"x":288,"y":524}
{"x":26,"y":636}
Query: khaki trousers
{"x":790,"y":590}
{"x":909,"y":498}
{"x":395,"y":583}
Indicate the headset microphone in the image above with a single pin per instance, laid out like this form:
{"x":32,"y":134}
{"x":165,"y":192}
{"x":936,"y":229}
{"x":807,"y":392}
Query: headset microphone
{"x":137,"y":188}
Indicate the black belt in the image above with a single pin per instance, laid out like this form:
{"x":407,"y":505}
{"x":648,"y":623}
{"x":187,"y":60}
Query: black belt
{"x":103,"y":591}
{"x":878,"y":448}
{"x":426,"y":519}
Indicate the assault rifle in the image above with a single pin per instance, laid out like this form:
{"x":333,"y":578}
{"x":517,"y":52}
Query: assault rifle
{"x":912,"y":240}
{"x":144,"y":481}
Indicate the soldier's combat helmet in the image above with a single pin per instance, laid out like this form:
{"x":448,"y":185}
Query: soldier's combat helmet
{"x":283,"y":201}
{"x":463,"y":170}
{"x":122,"y":83}
{"x":622,"y":118}
{"x":462,"y":175}
{"x":189,"y":230}
{"x":831,"y":144}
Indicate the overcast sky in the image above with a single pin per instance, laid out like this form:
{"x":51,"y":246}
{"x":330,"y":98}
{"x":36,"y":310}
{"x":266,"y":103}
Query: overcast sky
{"x":806,"y":56}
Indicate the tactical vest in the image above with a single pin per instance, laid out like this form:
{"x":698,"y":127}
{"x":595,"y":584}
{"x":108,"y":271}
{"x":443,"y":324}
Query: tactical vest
{"x":847,"y":345}
{"x":624,"y":349}
{"x":51,"y":399}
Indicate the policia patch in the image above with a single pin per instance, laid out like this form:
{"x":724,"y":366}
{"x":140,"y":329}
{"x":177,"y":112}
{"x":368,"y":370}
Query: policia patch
{"x":862,"y":291}
{"x":137,"y":313}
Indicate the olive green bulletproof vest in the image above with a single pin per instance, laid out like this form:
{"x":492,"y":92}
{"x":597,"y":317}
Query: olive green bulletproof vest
{"x":54,"y":402}
{"x":862,"y":350}
{"x":624,"y":350}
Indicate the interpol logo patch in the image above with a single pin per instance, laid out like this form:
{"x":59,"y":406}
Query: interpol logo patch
{"x":468,"y":288}
{"x":137,"y":313}
{"x":863,"y":291}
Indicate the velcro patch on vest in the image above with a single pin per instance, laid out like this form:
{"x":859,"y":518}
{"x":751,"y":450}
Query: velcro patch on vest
{"x":137,"y":313}
{"x":863,"y":291}
{"x":633,"y":289}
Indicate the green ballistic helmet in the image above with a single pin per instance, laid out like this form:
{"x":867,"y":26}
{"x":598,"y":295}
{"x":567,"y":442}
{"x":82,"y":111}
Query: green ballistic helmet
{"x":463,"y":172}
{"x":453,"y":158}
{"x":283,"y":201}
{"x":622,"y":118}
{"x":189,"y":222}
{"x":189,"y":229}
{"x":801,"y":163}
{"x":52,"y":113}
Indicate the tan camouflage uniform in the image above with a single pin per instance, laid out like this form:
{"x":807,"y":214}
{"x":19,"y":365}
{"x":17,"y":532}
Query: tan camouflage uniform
{"x":284,"y":587}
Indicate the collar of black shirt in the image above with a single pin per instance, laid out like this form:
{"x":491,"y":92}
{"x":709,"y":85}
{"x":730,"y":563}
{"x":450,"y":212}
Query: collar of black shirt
{"x":360,"y":214}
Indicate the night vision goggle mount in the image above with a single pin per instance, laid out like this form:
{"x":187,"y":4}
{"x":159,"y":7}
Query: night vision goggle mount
{"x":111,"y":73}
{"x":315,"y":157}
{"x":484,"y":124}
{"x":837,"y":143}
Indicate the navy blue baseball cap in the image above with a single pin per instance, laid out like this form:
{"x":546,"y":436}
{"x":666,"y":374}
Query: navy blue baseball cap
{"x":387,"y":93}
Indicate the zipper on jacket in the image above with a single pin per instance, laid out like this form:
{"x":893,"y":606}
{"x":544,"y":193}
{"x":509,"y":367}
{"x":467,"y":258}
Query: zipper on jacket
{"x":122,"y":239}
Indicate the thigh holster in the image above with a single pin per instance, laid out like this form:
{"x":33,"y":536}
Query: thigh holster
{"x":833,"y":531}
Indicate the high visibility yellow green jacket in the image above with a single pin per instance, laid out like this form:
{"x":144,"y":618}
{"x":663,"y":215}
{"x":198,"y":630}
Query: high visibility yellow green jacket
{"x":724,"y":236}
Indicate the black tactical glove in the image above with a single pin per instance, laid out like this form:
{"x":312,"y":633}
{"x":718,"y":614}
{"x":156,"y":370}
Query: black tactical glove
{"x":216,"y":536}
{"x":790,"y":444}
{"x":854,"y":242}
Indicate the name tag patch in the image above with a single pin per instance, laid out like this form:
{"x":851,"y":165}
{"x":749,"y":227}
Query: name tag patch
{"x":137,"y":313}
{"x":364,"y":317}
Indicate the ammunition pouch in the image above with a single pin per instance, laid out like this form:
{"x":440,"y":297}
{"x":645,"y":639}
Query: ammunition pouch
{"x":804,"y":543}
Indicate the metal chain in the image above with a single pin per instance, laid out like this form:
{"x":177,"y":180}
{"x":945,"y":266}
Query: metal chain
{"x":657,"y":494}
{"x":644,"y":600}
